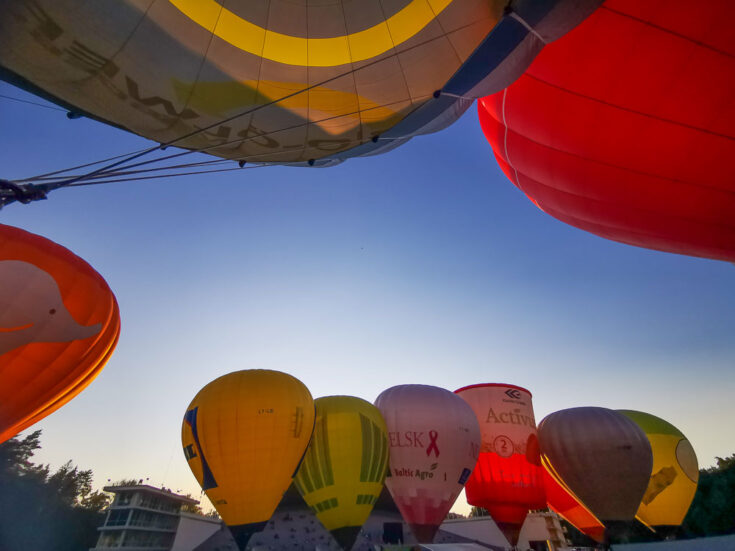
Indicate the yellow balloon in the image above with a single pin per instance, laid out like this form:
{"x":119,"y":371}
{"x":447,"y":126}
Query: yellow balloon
{"x":244,"y":435}
{"x":343,"y":470}
{"x":674,"y":475}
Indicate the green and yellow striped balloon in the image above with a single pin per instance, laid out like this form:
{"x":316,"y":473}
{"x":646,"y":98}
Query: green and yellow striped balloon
{"x":342,"y":473}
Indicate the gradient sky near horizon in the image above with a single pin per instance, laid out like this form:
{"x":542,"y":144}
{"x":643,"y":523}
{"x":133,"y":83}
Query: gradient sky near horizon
{"x":423,"y":265}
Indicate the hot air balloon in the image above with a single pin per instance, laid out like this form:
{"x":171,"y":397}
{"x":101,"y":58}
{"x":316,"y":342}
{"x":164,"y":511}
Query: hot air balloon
{"x":244,"y":435}
{"x":625,"y":126}
{"x":434,"y":440}
{"x":674,"y":476}
{"x":279,"y":82}
{"x":601,"y":456}
{"x":343,"y":470}
{"x":508,"y":478}
{"x":59,"y":324}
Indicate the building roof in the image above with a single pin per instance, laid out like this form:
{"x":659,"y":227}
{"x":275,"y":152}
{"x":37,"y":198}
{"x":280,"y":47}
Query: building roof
{"x":163,"y":492}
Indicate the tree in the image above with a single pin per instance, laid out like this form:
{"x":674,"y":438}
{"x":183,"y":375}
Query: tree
{"x":713,"y":509}
{"x":43,"y":510}
{"x":126,"y":482}
{"x":191,"y":507}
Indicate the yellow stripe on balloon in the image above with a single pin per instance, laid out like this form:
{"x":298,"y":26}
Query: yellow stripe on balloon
{"x":312,"y":52}
{"x":320,"y":105}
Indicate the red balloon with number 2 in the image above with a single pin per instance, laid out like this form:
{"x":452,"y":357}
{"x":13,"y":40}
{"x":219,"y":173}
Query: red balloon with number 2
{"x":507,"y":480}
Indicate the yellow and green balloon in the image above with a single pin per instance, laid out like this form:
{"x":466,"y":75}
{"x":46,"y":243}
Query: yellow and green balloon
{"x":345,"y":464}
{"x":674,"y":475}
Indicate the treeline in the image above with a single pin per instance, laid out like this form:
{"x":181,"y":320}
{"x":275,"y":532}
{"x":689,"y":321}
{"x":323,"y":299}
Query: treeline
{"x":40,"y":509}
{"x":713,"y":510}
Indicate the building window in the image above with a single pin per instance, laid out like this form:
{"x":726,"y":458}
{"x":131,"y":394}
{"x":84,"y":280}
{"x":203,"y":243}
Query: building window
{"x":109,"y":539}
{"x":151,"y":502}
{"x":124,"y":498}
{"x":153,"y":520}
{"x":147,"y":539}
{"x":118,"y":517}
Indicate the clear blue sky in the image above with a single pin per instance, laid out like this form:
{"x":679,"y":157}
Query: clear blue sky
{"x":424,"y":265}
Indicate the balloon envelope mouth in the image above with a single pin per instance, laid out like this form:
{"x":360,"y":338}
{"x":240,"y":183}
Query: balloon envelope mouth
{"x":424,"y":532}
{"x":243,"y":532}
{"x":346,"y":536}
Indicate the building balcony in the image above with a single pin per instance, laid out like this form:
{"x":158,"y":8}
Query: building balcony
{"x":137,"y":527}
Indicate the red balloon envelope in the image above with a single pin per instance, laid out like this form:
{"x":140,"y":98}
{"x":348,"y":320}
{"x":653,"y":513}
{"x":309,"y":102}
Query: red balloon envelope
{"x":625,"y":127}
{"x":507,"y":480}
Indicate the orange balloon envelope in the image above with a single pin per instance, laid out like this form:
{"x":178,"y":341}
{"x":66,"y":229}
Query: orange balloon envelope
{"x":59,"y":323}
{"x":563,"y":502}
{"x":507,"y":480}
{"x":625,"y":127}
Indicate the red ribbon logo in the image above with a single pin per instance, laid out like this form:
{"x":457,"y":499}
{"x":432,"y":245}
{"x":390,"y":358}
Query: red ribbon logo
{"x":432,"y":445}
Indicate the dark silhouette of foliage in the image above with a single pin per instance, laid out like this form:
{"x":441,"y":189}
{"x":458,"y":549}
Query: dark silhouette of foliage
{"x":125,"y":482}
{"x":713,"y":510}
{"x":191,"y":507}
{"x":40,"y":509}
{"x":478,"y":512}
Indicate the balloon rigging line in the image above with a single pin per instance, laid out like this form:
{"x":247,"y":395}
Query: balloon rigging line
{"x":42,"y":189}
{"x":449,"y":94}
{"x":505,"y":138}
{"x":529,"y":28}
{"x":43,"y":176}
{"x":3,"y":96}
{"x":123,"y":166}
{"x":628,"y":109}
{"x":168,"y":465}
{"x":97,"y":177}
{"x":138,"y":178}
{"x":306,"y":89}
{"x":667,"y":31}
{"x":599,"y":161}
{"x":129,"y":172}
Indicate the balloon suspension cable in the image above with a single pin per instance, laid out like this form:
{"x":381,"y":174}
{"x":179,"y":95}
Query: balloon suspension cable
{"x":156,"y":177}
{"x":62,"y":171}
{"x":125,"y":172}
{"x":36,"y":103}
{"x":107,"y":176}
{"x":24,"y":191}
